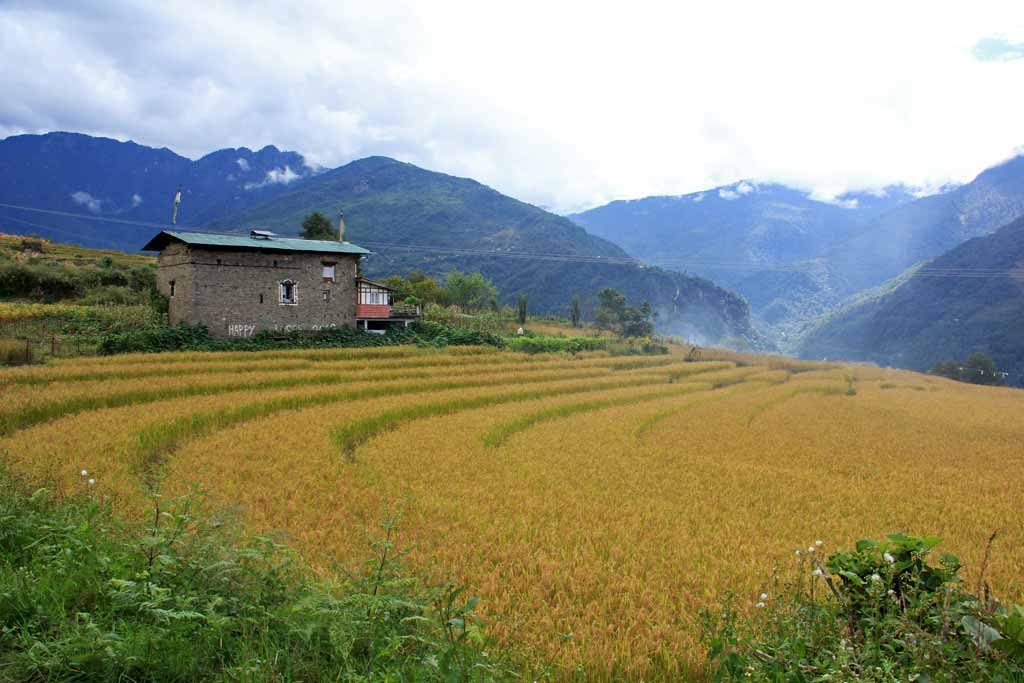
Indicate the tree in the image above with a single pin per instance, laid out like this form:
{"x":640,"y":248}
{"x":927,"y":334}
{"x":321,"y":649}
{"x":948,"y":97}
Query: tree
{"x":625,"y":321}
{"x":315,"y":226}
{"x":978,"y":369}
{"x":636,"y":322}
{"x":982,"y":370}
{"x":471,"y":290}
{"x":522,"y":306}
{"x":611,"y":305}
{"x":416,"y":285}
{"x":575,"y":312}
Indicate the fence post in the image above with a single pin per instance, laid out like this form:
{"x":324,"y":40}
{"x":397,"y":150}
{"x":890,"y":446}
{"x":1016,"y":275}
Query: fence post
{"x":53,"y":345}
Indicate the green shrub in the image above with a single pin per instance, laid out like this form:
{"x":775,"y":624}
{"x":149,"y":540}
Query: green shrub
{"x":532,"y":343}
{"x":84,"y":597}
{"x":184,"y":337}
{"x":880,"y":612}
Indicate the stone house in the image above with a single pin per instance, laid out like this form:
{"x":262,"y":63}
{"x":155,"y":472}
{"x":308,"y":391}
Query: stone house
{"x":239,"y":285}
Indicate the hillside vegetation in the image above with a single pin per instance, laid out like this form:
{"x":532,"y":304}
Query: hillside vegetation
{"x":970,"y":299}
{"x":412,"y":218}
{"x":415,"y":219}
{"x":596,"y":504}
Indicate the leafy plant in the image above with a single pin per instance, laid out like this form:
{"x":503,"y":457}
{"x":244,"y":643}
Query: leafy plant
{"x":84,"y":597}
{"x":886,"y":612}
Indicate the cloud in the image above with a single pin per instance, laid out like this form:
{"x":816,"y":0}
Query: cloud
{"x":727,"y":194}
{"x":699,"y":197}
{"x":856,"y":103}
{"x":242,"y":164}
{"x":998,"y":50}
{"x":87,"y":200}
{"x":136,"y":200}
{"x":275,"y":176}
{"x":744,"y":187}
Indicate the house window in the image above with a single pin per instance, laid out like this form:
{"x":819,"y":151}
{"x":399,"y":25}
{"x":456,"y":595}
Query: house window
{"x":326,"y":294}
{"x":373,"y":295}
{"x":218,"y":262}
{"x":275,"y":264}
{"x":289,"y":295}
{"x":329,"y":272}
{"x":172,"y":287}
{"x":261,"y":298}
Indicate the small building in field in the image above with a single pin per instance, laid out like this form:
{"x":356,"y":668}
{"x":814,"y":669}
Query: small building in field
{"x":238,"y":285}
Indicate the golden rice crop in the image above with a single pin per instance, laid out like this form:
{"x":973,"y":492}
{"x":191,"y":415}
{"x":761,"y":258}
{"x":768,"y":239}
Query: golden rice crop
{"x":595,"y":504}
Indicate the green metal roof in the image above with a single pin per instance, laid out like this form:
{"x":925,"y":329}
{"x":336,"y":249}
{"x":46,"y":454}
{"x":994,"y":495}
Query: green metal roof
{"x":225,"y":241}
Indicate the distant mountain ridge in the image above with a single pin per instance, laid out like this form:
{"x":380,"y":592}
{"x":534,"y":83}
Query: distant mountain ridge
{"x":969,"y":299}
{"x":124,"y":180}
{"x":424,"y":220}
{"x":796,"y":259}
{"x":413,"y":218}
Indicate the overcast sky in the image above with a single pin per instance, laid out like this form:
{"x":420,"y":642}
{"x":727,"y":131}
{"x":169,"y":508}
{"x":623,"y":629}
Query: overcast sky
{"x":566,"y":105}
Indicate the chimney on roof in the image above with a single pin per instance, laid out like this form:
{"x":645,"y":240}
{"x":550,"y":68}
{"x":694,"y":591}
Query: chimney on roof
{"x":260,"y":234}
{"x":341,"y":227}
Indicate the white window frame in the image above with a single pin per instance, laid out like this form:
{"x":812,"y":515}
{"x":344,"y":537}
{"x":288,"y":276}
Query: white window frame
{"x":281,"y":290}
{"x":332,"y":268}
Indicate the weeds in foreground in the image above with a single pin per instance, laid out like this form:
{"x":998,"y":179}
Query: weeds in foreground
{"x":879,"y":612}
{"x":85,"y":598}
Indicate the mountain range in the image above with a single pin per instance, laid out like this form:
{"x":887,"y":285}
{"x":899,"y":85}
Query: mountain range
{"x":412,"y":218}
{"x":969,"y":299}
{"x":796,"y":259}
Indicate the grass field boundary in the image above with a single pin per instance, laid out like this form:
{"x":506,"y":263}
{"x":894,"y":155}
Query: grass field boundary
{"x":156,"y":442}
{"x":649,"y":423}
{"x":497,"y":435}
{"x":350,"y":436}
{"x":822,"y":390}
{"x":33,"y":415}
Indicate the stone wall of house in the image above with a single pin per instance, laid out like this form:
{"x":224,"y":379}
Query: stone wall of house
{"x":174,"y":266}
{"x":238,"y":293}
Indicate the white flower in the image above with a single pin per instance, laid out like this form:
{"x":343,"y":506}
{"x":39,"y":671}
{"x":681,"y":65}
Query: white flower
{"x":810,"y":548}
{"x":798,"y":552}
{"x":876,"y":577}
{"x":759,"y":605}
{"x":85,"y":473}
{"x":92,"y":482}
{"x":888,"y":558}
{"x":891,"y":592}
{"x":818,"y":543}
{"x":764,"y":596}
{"x":818,"y":572}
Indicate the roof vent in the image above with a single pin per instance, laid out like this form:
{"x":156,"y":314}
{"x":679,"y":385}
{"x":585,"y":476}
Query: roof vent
{"x":261,"y":234}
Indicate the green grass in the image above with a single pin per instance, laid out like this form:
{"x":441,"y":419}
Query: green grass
{"x":85,"y":597}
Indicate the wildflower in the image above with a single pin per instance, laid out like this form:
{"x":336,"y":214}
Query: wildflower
{"x":759,"y":605}
{"x":810,"y":548}
{"x":798,"y":552}
{"x":891,"y":592}
{"x":818,"y":543}
{"x":888,"y":558}
{"x":818,"y":572}
{"x":85,"y":473}
{"x":92,"y":482}
{"x":764,"y":596}
{"x":876,"y":577}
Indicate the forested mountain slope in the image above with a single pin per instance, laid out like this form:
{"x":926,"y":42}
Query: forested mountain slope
{"x":969,"y":299}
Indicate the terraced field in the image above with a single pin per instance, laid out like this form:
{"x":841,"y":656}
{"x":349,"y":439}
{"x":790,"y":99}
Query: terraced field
{"x":595,"y":503}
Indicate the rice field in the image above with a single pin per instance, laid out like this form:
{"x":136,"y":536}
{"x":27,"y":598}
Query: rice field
{"x":596,"y":504}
